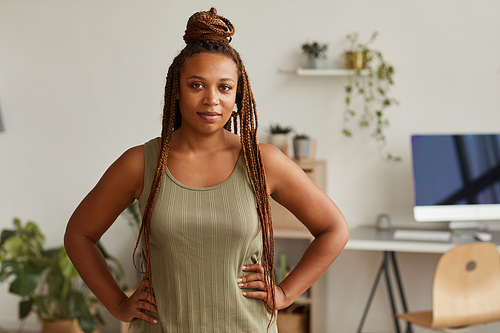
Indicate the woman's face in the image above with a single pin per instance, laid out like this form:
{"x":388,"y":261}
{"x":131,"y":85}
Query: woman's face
{"x":207,"y":93}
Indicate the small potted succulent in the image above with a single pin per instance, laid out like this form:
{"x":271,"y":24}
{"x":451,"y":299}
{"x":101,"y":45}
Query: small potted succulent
{"x":316,"y":54}
{"x":371,"y":82}
{"x":278,"y":136}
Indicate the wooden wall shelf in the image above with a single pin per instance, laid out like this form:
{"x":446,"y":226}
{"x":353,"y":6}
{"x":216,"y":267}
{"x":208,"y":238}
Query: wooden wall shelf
{"x":321,"y":72}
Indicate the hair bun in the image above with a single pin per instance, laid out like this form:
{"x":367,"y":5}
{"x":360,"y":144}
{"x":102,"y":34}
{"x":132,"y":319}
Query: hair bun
{"x":208,"y":26}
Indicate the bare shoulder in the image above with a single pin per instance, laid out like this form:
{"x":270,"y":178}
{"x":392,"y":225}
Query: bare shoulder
{"x":133,"y":158}
{"x":128,"y":170}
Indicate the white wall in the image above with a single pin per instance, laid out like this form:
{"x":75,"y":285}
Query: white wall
{"x":80,"y":82}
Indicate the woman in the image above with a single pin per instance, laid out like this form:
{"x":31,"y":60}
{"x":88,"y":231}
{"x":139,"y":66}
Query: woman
{"x":203,"y":192}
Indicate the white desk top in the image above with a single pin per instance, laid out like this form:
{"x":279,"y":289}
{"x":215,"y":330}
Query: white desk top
{"x":369,"y":238}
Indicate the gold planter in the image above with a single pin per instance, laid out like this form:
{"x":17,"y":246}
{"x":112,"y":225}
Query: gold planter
{"x":355,"y":60}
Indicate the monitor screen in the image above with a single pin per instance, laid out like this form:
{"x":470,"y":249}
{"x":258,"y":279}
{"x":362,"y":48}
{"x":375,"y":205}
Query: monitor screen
{"x":456,"y":177}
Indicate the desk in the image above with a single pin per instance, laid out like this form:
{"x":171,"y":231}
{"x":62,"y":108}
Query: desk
{"x":369,"y":238}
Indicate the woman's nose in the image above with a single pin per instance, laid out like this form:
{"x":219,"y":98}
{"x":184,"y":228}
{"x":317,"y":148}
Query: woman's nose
{"x":211,"y":97}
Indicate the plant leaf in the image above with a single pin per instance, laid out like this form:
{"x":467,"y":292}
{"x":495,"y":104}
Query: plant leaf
{"x":8,"y":268}
{"x":13,"y":247}
{"x":363,"y":123}
{"x":17,"y":223}
{"x":23,"y":286}
{"x":25,"y":308}
{"x":78,"y":308}
{"x":346,"y":132}
{"x":6,"y":234}
{"x":26,"y":280}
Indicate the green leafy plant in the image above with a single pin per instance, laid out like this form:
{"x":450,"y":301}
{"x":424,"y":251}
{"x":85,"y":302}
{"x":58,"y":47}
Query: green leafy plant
{"x":315,"y":49}
{"x":46,"y":280}
{"x":279,"y":129}
{"x":302,"y":136}
{"x":372,"y":85}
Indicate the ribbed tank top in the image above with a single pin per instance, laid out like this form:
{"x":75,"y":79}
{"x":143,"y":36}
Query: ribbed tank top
{"x":200,"y":240}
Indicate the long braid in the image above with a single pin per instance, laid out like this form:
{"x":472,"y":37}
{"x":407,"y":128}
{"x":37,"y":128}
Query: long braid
{"x":171,"y":89}
{"x":208,"y":32}
{"x":256,"y":173}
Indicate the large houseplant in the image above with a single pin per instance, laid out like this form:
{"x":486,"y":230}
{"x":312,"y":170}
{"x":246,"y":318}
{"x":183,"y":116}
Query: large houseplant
{"x":46,"y":280}
{"x":371,"y":82}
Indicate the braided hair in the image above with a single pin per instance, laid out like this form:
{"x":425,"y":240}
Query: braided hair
{"x":207,"y":32}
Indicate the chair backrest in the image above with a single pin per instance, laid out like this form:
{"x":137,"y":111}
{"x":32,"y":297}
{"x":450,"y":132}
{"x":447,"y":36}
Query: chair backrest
{"x":466,"y":288}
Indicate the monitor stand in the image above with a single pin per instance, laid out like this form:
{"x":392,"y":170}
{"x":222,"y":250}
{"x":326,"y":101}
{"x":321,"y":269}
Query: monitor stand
{"x":460,"y":225}
{"x":477,"y":230}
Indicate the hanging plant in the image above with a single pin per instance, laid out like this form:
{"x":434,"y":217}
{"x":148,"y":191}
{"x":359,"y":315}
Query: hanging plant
{"x":371,"y":82}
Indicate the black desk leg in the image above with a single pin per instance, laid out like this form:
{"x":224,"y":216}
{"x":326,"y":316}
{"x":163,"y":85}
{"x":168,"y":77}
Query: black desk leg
{"x":401,"y":290}
{"x":389,"y":291}
{"x":384,"y":268}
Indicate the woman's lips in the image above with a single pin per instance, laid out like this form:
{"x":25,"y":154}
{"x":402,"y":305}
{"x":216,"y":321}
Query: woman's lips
{"x":209,"y":116}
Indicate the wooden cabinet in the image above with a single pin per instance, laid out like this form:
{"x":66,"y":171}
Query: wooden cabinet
{"x":292,"y":238}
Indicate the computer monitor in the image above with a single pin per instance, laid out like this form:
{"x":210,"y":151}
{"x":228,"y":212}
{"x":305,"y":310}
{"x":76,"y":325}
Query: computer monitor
{"x":456,"y":177}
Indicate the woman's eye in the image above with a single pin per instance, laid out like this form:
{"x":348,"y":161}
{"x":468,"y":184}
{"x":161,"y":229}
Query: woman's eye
{"x":225,"y":88}
{"x":196,"y":85}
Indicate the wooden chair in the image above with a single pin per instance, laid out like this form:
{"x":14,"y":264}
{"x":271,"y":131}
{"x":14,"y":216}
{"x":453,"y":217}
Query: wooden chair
{"x":466,"y":288}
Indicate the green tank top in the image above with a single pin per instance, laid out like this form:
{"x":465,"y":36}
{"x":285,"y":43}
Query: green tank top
{"x":200,"y":240}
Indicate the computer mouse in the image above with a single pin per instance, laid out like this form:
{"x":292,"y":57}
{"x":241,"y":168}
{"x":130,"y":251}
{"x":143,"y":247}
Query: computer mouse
{"x":483,"y":236}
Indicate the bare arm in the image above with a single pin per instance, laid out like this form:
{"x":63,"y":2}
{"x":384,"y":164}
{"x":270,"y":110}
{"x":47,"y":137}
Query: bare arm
{"x":115,"y":191}
{"x":292,"y":188}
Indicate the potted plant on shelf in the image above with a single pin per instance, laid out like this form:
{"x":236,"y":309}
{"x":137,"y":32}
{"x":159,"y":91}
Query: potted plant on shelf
{"x":371,"y":82}
{"x":301,"y":145}
{"x":316,"y":54}
{"x":47,"y":281}
{"x":278,"y":136}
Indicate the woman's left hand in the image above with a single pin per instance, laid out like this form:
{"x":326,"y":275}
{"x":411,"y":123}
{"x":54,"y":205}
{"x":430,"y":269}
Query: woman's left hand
{"x":256,"y":281}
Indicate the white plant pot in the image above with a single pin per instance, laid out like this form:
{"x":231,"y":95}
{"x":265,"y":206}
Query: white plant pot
{"x":317,"y":63}
{"x":278,"y":140}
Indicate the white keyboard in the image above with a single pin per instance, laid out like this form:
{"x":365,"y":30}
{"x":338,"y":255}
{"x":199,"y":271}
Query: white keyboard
{"x":422,"y":235}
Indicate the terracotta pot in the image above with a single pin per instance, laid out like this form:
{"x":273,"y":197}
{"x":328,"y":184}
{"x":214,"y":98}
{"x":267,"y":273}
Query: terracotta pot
{"x":63,"y":326}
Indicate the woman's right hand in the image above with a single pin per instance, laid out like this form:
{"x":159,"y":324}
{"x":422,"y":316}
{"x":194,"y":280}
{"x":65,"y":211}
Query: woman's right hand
{"x":138,"y":305}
